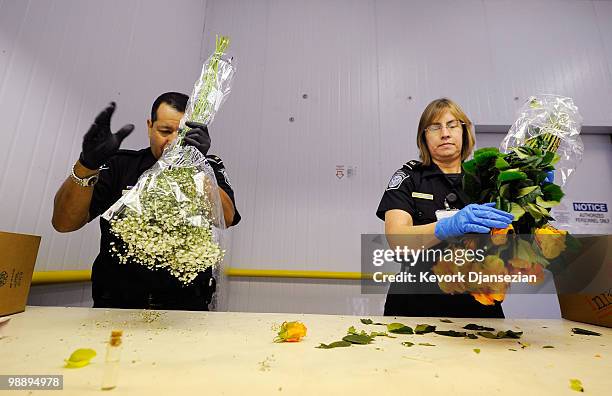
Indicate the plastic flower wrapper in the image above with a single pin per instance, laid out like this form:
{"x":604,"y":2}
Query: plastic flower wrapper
{"x":171,"y":219}
{"x":551,"y":123}
{"x":545,"y":137}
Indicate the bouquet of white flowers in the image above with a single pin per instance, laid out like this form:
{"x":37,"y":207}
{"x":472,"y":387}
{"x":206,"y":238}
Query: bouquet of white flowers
{"x":171,"y":218}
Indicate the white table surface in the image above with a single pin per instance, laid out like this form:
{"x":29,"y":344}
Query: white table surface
{"x":221,"y":353}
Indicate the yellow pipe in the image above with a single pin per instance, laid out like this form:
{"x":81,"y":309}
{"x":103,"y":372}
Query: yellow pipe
{"x":256,"y":273}
{"x":50,"y":277}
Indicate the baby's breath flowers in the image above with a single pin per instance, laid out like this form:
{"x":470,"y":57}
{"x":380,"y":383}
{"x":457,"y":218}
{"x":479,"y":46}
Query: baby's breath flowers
{"x":170,"y":219}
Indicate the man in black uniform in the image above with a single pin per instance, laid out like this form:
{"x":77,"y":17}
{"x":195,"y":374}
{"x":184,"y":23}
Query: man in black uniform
{"x":100,"y":177}
{"x":426,"y":199}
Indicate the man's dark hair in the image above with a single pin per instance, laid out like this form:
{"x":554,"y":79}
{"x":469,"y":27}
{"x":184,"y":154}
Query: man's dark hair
{"x":175,"y":99}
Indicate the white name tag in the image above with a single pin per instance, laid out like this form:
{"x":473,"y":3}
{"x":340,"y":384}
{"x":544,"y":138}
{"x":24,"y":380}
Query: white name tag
{"x":443,"y":214}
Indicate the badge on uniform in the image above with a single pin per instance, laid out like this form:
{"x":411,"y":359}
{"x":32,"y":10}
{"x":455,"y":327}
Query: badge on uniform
{"x":396,"y":180}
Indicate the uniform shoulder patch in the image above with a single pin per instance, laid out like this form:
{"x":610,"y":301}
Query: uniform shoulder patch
{"x":396,"y":180}
{"x":413,"y":164}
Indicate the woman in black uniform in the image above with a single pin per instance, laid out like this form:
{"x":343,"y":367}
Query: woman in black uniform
{"x":425,"y":198}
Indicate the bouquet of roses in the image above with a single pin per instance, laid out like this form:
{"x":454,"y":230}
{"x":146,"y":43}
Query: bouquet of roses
{"x":171,"y":218}
{"x":545,"y":136}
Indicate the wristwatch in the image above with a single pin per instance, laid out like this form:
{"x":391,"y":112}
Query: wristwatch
{"x":88,"y":181}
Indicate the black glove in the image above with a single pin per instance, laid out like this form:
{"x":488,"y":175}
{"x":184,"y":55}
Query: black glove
{"x":198,"y":136}
{"x":99,"y":143}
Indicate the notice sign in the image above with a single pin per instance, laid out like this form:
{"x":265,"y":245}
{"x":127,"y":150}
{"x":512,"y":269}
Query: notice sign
{"x":591,"y":213}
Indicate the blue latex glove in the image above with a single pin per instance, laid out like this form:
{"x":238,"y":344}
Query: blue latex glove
{"x":550,"y":177}
{"x":472,"y":218}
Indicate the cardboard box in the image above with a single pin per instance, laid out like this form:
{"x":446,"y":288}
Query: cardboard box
{"x":17,"y":259}
{"x":585,"y":289}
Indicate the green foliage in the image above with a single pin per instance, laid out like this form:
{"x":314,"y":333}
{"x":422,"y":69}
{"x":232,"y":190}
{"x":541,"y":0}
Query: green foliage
{"x":514,"y":182}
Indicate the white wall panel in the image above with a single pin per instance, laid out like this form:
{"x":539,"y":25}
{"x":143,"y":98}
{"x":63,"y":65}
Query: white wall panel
{"x":61,"y":63}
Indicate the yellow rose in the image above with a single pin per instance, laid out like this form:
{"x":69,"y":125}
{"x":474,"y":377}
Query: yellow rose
{"x":291,"y":332}
{"x":450,"y":268}
{"x":550,"y":241}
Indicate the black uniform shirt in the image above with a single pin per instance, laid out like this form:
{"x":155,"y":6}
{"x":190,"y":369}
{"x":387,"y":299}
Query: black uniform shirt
{"x":422,"y":190}
{"x":133,"y":285}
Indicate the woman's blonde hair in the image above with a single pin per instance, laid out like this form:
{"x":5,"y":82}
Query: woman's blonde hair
{"x":430,"y":114}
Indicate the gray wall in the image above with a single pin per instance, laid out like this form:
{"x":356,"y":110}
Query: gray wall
{"x":368,"y":69}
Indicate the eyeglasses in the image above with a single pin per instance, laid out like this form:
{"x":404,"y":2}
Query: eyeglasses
{"x":451,"y":126}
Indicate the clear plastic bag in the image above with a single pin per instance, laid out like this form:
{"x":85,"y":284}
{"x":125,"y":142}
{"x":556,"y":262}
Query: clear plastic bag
{"x":172,"y":218}
{"x":553,"y":123}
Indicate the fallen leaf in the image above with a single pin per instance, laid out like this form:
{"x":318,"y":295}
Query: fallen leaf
{"x":80,"y":358}
{"x":576,"y":385}
{"x":451,"y":333}
{"x":426,"y":344}
{"x":399,"y":328}
{"x":476,"y":350}
{"x":371,"y":322}
{"x":407,"y":343}
{"x":446,"y":321}
{"x":578,"y":330}
{"x":547,"y":346}
{"x":424,"y":328}
{"x":357,"y":339}
{"x":501,"y":334}
{"x":473,"y":326}
{"x":336,"y":344}
{"x":472,"y":336}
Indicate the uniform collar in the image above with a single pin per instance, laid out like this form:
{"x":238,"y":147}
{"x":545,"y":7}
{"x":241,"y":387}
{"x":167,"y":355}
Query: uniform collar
{"x":433,"y":170}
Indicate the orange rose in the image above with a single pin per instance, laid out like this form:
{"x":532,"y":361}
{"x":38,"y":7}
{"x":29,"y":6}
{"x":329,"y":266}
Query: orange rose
{"x":487,"y":298}
{"x":499,"y":236}
{"x":291,"y":332}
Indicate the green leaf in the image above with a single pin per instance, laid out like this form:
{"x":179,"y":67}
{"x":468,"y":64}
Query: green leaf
{"x":399,"y":328}
{"x":426,"y":344}
{"x":484,"y":154}
{"x":516,"y":210}
{"x":407,"y":343}
{"x":511,"y":174}
{"x":476,"y":350}
{"x":501,"y":334}
{"x":578,"y":330}
{"x":469,"y":167}
{"x":576,"y":385}
{"x":501,"y":164}
{"x":528,"y":190}
{"x":352,"y":330}
{"x":473,"y":326}
{"x":379,"y":334}
{"x":546,"y":204}
{"x":337,"y":344}
{"x":552,"y":192}
{"x":357,"y":339}
{"x":424,"y":328}
{"x":451,"y":333}
{"x":370,"y":322}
